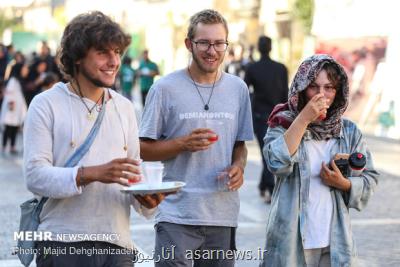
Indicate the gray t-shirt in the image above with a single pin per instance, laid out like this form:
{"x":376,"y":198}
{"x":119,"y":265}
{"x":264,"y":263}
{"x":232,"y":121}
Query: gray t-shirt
{"x":173,"y":109}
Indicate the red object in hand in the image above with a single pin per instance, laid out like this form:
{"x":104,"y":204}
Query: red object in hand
{"x":132,"y":181}
{"x":213,"y":138}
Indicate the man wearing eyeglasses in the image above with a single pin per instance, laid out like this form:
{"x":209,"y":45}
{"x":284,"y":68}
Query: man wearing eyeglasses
{"x":197,"y":225}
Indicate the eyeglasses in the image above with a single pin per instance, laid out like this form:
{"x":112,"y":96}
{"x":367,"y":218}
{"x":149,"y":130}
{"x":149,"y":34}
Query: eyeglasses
{"x":327,"y":88}
{"x":205,"y":45}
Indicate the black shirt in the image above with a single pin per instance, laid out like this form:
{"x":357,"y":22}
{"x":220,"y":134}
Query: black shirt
{"x":270,"y":82}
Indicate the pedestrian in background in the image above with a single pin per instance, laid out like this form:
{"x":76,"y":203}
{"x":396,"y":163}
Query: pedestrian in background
{"x":269,"y":80}
{"x":174,"y":129}
{"x":309,"y":222}
{"x":34,"y":80}
{"x":147,"y":71}
{"x":85,"y":198}
{"x":127,"y":77}
{"x":3,"y":61}
{"x":49,"y":80}
{"x":13,"y":110}
{"x":232,"y":65}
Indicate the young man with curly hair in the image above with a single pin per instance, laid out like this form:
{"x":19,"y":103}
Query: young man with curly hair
{"x":86,"y":213}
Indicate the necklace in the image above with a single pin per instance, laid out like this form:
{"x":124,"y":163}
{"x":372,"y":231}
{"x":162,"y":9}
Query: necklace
{"x":90,"y":115}
{"x":206,"y":105}
{"x":120,"y":122}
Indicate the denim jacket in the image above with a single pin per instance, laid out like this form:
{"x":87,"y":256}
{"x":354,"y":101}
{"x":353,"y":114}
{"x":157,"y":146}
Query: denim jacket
{"x":287,"y":218}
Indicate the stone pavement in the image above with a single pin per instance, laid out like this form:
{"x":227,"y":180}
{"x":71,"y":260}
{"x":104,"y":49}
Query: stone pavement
{"x":376,"y":229}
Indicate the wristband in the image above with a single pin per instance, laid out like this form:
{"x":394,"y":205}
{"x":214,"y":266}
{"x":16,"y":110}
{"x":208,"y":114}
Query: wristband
{"x":81,"y":177}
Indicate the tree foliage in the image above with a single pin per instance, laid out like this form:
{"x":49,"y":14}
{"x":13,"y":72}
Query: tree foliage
{"x":303,"y":10}
{"x":6,"y":22}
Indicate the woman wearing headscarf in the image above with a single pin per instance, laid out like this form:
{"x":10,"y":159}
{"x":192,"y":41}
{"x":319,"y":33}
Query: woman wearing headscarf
{"x":309,"y":223}
{"x":13,"y":110}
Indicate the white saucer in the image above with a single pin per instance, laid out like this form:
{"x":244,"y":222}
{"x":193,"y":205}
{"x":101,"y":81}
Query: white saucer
{"x":144,"y":189}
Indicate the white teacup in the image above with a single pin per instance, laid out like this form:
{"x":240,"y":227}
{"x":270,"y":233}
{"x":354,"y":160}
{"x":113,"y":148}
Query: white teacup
{"x":153,"y":172}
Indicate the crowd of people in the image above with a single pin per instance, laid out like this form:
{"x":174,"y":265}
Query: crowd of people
{"x":21,"y":79}
{"x":300,"y":131}
{"x":145,"y":73}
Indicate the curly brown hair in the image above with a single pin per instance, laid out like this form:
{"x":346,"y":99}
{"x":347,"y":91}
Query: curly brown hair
{"x":207,"y":16}
{"x":93,"y":29}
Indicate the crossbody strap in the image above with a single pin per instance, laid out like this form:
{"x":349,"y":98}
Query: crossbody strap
{"x":82,"y":149}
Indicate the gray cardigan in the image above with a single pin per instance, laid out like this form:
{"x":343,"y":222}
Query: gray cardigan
{"x":57,"y":118}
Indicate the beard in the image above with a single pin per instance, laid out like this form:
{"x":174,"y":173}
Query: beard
{"x":203,"y":68}
{"x":93,"y":80}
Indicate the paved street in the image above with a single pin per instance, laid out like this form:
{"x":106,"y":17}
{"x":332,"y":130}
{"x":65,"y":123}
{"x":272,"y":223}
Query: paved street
{"x":376,"y":229}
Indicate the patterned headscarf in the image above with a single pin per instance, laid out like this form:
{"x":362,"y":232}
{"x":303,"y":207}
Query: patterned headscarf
{"x":284,"y":114}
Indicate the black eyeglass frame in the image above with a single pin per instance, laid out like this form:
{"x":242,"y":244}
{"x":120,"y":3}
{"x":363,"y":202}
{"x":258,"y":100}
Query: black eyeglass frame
{"x":210,"y":44}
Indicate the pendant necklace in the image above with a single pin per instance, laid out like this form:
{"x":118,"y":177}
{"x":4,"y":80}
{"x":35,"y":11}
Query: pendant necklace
{"x":90,"y":115}
{"x":120,"y":121}
{"x":206,"y":105}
